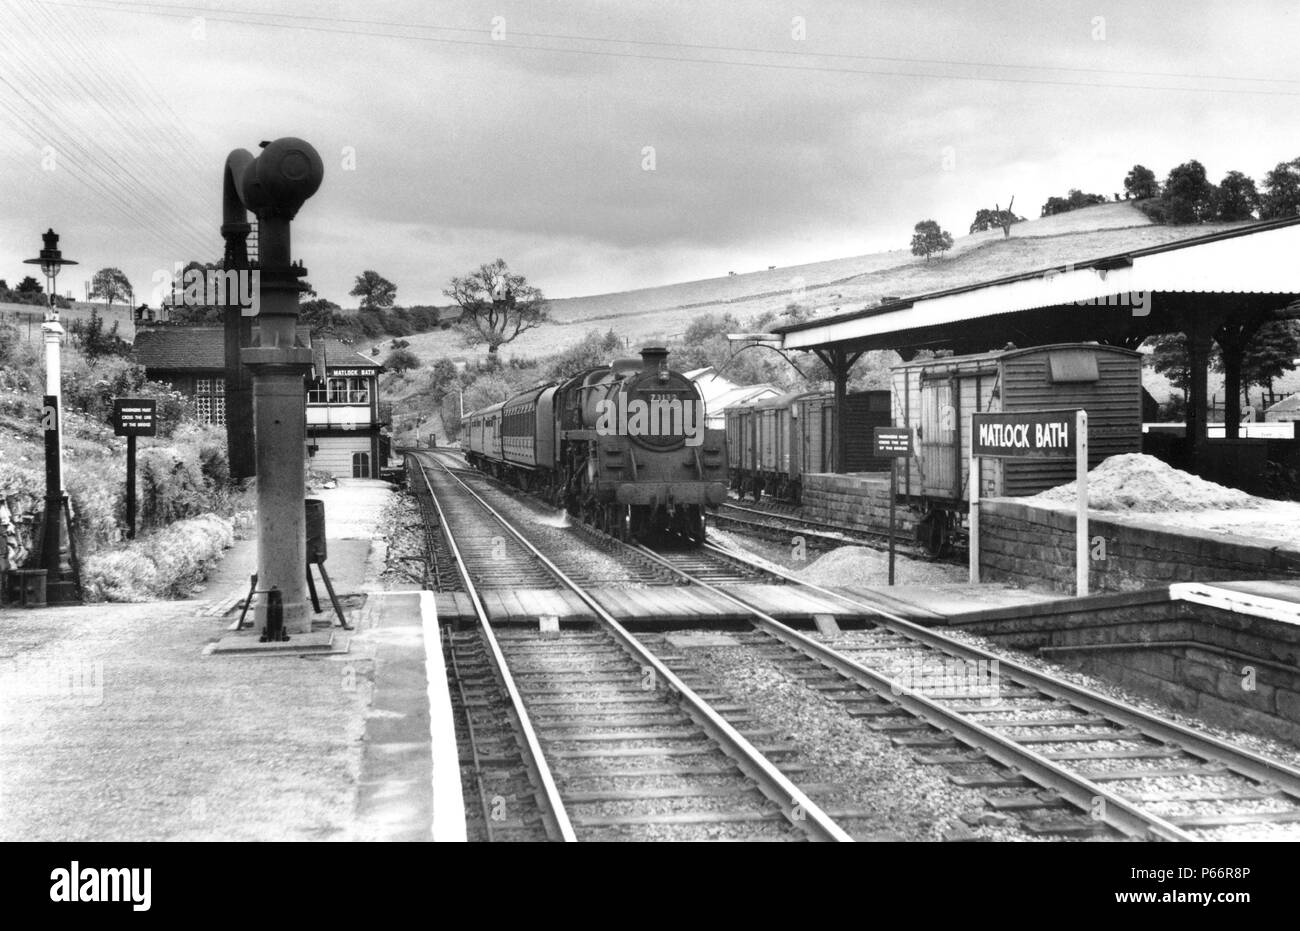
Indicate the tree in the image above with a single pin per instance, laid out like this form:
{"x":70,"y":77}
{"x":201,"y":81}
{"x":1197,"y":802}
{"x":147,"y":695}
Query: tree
{"x":486,"y":390}
{"x":402,"y":360}
{"x":496,"y":306}
{"x":592,"y":350}
{"x":986,"y":219}
{"x":1236,"y":198}
{"x":442,"y":378}
{"x":1140,"y":183}
{"x":1188,"y":195}
{"x":375,"y":290}
{"x":29,"y":285}
{"x":1169,"y":358}
{"x":1268,"y":356}
{"x":322,"y":317}
{"x":928,"y":238}
{"x":1281,"y":191}
{"x":1072,"y":201}
{"x":95,"y":341}
{"x":110,"y":284}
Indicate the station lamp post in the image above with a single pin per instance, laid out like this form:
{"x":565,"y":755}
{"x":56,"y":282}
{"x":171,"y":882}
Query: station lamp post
{"x":62,"y":585}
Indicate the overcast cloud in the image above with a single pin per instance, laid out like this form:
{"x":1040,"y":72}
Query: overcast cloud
{"x":468,"y":147}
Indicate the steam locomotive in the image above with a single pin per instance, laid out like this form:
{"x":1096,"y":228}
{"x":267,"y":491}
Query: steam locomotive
{"x":623,"y":447}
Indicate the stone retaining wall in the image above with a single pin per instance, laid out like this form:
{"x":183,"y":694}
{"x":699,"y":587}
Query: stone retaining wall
{"x":1034,"y":545}
{"x":855,"y":501}
{"x":1237,"y":670}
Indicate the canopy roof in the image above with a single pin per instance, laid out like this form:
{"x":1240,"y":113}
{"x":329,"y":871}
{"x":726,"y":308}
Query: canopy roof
{"x":1118,"y":296}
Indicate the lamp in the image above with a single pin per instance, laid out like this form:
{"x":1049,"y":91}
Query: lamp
{"x":51,"y":260}
{"x":57,"y":553}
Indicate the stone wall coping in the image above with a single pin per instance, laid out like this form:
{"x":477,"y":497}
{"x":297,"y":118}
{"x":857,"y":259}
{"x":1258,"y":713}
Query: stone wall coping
{"x":1107,"y":601}
{"x":1062,"y":518}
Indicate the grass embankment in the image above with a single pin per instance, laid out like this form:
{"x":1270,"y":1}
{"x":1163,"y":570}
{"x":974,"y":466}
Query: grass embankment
{"x":186,"y":508}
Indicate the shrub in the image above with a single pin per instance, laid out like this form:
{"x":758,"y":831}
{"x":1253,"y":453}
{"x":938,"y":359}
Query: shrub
{"x":171,"y":484}
{"x":165,"y":564}
{"x":401,"y":360}
{"x":208,"y":441}
{"x":97,"y":497}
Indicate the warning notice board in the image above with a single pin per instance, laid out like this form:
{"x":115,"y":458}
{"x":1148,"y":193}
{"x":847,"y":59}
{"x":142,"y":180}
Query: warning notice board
{"x":135,"y":417}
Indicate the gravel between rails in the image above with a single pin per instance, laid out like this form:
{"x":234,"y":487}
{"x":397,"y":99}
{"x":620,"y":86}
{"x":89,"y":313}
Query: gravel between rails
{"x":550,"y":531}
{"x":909,"y":800}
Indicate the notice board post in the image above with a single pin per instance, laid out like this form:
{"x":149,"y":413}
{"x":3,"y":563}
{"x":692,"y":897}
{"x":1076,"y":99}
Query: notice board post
{"x":1040,"y":434}
{"x":894,"y":443}
{"x":133,"y":417}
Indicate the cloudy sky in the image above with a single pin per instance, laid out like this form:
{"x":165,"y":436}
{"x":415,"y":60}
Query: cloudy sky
{"x":456,"y":132}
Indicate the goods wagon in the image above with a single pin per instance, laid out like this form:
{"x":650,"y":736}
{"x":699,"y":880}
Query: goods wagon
{"x":772,"y":443}
{"x":936,"y":397}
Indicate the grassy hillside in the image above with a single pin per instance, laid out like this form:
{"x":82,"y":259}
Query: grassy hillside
{"x":838,"y":285}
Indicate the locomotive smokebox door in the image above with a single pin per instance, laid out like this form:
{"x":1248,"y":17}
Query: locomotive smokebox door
{"x":315,"y":530}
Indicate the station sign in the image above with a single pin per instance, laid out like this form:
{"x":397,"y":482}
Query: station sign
{"x":135,"y":417}
{"x":1028,"y":433}
{"x":893,"y":442}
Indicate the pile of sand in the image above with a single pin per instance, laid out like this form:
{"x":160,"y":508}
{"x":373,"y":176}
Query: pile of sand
{"x":1137,"y":482}
{"x":860,"y":565}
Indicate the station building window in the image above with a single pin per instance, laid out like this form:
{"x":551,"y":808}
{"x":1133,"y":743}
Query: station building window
{"x":349,"y":390}
{"x":210,"y":400}
{"x":361,"y":465}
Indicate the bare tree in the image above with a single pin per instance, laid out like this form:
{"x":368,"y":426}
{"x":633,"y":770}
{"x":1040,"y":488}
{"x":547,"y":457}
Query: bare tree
{"x":497,"y":305}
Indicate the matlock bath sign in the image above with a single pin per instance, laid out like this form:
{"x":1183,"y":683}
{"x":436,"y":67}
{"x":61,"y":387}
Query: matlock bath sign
{"x":1030,"y":433}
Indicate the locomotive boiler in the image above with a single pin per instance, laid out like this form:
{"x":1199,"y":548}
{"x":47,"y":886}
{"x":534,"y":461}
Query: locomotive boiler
{"x":623,"y":447}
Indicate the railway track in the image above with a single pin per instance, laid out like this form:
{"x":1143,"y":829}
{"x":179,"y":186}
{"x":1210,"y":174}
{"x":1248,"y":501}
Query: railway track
{"x":614,"y":743}
{"x":1063,"y":759}
{"x":780,"y":523}
{"x":1070,"y":761}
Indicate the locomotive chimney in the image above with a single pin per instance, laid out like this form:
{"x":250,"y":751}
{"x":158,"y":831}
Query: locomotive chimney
{"x":652,"y":357}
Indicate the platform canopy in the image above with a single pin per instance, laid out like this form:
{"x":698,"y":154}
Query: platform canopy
{"x":1220,"y":287}
{"x":1120,"y":298}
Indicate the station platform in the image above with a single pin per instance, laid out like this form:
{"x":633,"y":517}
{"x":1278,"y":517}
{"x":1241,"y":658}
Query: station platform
{"x":119,"y":723}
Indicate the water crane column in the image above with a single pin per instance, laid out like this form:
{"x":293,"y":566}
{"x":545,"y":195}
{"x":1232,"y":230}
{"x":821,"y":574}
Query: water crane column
{"x":274,"y":185}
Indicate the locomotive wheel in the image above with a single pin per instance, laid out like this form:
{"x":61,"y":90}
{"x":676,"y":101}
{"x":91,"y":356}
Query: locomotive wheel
{"x":696,"y":532}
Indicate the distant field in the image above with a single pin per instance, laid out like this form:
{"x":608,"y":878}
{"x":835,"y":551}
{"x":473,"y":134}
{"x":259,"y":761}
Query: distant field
{"x":23,"y":314}
{"x":838,"y":285}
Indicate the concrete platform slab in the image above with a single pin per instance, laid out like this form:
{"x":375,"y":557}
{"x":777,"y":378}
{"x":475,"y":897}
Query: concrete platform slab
{"x":114,"y":725}
{"x":928,"y":603}
{"x":1274,"y":600}
{"x":410,"y":767}
{"x":246,"y":642}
